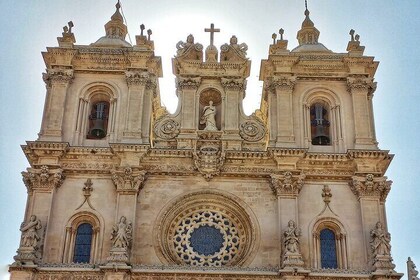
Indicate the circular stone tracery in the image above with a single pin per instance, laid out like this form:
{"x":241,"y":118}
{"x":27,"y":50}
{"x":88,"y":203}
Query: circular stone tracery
{"x":206,"y":229}
{"x":206,"y":238}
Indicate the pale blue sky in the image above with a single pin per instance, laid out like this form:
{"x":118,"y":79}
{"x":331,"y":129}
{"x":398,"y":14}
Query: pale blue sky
{"x":388,"y":29}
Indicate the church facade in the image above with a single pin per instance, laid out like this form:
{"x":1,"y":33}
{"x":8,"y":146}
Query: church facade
{"x":119,"y":188}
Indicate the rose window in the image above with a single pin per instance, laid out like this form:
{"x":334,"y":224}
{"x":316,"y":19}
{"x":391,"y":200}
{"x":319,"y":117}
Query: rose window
{"x":207,"y":239}
{"x":206,"y":229}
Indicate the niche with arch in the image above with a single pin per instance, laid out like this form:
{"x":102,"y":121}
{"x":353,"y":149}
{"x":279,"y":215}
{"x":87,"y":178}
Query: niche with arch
{"x":210,"y":110}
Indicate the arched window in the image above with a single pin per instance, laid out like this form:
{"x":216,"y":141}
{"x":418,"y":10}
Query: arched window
{"x":328,"y":249}
{"x":320,"y":124}
{"x":83,"y":243}
{"x":329,"y":244}
{"x":98,"y":120}
{"x":83,"y":236}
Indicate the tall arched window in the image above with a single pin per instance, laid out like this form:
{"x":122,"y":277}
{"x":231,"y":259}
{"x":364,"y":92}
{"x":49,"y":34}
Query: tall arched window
{"x":329,"y":244}
{"x":83,"y":243}
{"x":328,"y":249}
{"x":320,"y":124}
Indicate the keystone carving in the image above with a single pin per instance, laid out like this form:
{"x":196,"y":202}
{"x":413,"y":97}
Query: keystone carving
{"x":127,"y":180}
{"x":370,"y":186}
{"x":43,"y":179}
{"x":287,"y":184}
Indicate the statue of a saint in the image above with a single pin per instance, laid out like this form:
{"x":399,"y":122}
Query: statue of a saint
{"x":121,"y":234}
{"x":209,"y":117}
{"x":30,"y":236}
{"x":291,"y":238}
{"x":380,"y":243}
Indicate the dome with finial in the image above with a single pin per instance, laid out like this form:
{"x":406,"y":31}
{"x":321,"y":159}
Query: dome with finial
{"x":115,"y":30}
{"x":308,"y":37}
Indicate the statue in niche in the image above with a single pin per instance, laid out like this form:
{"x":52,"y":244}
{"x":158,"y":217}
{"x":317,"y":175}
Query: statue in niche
{"x":208,"y":117}
{"x":30,"y":236}
{"x":291,"y":238}
{"x":380,"y":243}
{"x":121,"y":234}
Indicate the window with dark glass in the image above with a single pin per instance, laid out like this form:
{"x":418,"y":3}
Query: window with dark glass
{"x":83,"y":243}
{"x":328,"y":249}
{"x":98,"y":120}
{"x":320,"y":126}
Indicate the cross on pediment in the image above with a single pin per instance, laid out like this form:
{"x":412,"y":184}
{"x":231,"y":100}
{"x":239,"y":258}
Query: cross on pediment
{"x":212,"y":30}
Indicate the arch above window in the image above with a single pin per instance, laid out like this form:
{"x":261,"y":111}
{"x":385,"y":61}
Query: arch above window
{"x":82,"y":237}
{"x":329,"y":244}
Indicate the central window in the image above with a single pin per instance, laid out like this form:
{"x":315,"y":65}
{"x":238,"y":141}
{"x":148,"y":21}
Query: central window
{"x":206,"y":240}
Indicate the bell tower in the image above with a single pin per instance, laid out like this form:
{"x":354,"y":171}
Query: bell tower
{"x":101,"y":93}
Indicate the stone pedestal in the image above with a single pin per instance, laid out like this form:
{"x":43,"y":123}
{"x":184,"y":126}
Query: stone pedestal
{"x":26,"y":256}
{"x":383,"y":263}
{"x":118,"y":256}
{"x":292,"y":260}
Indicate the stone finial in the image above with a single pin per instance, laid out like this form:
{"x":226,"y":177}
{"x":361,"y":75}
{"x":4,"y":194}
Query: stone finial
{"x":143,"y":41}
{"x":279,"y":46}
{"x":353,"y":47}
{"x":211,"y":51}
{"x":68,"y":39}
{"x":308,"y":34}
{"x":189,"y":50}
{"x":411,"y":270}
{"x":233,"y":51}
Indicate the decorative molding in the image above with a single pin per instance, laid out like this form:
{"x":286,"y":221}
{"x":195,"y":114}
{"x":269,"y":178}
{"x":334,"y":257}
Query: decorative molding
{"x":370,"y":186}
{"x":188,"y":83}
{"x":127,"y":180}
{"x":43,"y":179}
{"x":287,"y":184}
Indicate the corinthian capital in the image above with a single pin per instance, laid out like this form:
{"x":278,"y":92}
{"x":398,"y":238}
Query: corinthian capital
{"x":360,"y":83}
{"x":60,"y":76}
{"x":287,"y":184}
{"x":188,"y":83}
{"x":283,"y":83}
{"x":127,"y":180}
{"x":43,"y":179}
{"x":371,"y":186}
{"x":233,"y":84}
{"x":136,"y":78}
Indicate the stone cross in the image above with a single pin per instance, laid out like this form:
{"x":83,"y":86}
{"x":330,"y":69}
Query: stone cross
{"x":211,"y":30}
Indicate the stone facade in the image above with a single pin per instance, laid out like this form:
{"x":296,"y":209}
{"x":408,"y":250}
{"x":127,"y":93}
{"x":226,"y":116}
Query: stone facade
{"x":207,"y":192}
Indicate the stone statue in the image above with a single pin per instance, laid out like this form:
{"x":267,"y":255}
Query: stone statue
{"x":380,"y":243}
{"x":30,"y":236}
{"x":411,"y":270}
{"x":209,"y":117}
{"x":291,"y":238}
{"x":122,"y":234}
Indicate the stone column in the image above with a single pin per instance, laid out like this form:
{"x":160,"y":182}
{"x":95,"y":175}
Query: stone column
{"x":360,"y":88}
{"x":234,"y":89}
{"x":283,"y":88}
{"x":371,"y":192}
{"x":57,"y":82}
{"x":128,"y":182}
{"x":187,"y":94}
{"x":41,"y":185}
{"x":136,"y":82}
{"x":286,"y":186}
